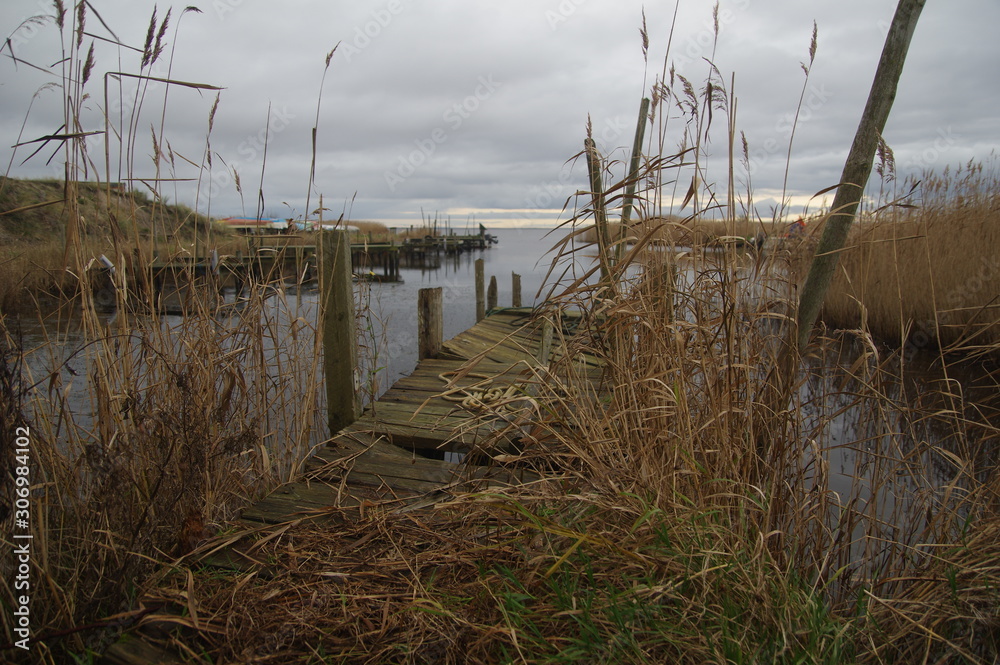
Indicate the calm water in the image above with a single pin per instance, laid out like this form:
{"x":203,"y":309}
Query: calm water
{"x":394,"y":305}
{"x":851,"y":437}
{"x":58,"y":356}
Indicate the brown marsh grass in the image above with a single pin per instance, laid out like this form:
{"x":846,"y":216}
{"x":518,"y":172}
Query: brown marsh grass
{"x":689,"y":232}
{"x":148,"y":432}
{"x":661,"y":530}
{"x":373,"y":231}
{"x":926,"y":273}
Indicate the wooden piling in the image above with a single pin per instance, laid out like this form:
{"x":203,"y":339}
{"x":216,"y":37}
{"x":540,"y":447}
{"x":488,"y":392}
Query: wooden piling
{"x":491,"y":294}
{"x":545,"y":345}
{"x":480,"y":290}
{"x":430,"y":322}
{"x":515,"y":288}
{"x":594,"y":164}
{"x":633,"y":178}
{"x":339,"y":337}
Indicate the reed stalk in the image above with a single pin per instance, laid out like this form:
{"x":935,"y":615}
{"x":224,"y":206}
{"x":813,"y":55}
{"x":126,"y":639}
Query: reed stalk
{"x":149,"y":431}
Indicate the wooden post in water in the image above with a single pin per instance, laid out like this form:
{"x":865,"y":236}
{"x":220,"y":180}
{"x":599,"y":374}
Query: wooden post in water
{"x":480,"y":290}
{"x":600,"y":211}
{"x":339,"y":337}
{"x":430,"y":322}
{"x":491,"y":294}
{"x":515,"y":287}
{"x":857,"y":168}
{"x":545,"y":344}
{"x":633,"y":178}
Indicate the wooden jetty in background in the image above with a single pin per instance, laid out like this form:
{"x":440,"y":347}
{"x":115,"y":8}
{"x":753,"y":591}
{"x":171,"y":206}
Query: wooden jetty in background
{"x":268,"y":259}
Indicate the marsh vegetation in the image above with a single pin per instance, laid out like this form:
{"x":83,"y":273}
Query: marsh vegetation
{"x":682,"y":515}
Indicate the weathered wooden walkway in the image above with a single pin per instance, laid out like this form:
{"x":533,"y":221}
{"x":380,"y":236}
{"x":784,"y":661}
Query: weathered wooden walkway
{"x":439,"y":407}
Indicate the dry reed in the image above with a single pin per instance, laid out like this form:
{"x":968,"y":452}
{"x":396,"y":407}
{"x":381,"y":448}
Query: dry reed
{"x":662,"y":531}
{"x":149,"y":431}
{"x":688,"y":232}
{"x":864,"y":531}
{"x":926,"y":273}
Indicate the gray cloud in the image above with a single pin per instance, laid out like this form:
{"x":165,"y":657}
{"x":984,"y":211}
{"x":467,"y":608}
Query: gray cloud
{"x":470,"y":108}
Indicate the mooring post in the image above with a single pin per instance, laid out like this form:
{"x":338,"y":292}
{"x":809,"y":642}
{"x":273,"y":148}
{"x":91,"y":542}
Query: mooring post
{"x":339,"y":337}
{"x":491,"y":294}
{"x":545,"y":343}
{"x":515,"y":290}
{"x":430,"y":322}
{"x":633,"y":178}
{"x":480,"y":290}
{"x":594,"y":165}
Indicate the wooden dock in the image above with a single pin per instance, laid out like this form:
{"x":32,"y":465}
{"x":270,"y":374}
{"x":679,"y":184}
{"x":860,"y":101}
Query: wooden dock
{"x":492,"y":368}
{"x":388,"y":453}
{"x":269,"y":259}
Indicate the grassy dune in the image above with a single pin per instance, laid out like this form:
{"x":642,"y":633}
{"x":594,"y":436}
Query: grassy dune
{"x":33,"y":248}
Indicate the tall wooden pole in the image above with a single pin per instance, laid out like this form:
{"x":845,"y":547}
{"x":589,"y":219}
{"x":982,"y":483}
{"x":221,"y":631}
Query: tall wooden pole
{"x":633,"y":176}
{"x":515,"y":290}
{"x":340,"y":360}
{"x":858,"y":166}
{"x":600,"y":212}
{"x":857,"y":169}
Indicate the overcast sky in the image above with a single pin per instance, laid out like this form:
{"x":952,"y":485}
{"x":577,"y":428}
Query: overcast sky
{"x":471,"y":110}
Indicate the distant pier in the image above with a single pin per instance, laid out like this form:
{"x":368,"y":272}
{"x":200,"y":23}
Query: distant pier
{"x":268,"y":259}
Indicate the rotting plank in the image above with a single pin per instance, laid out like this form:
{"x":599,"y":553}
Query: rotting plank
{"x":291,"y":500}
